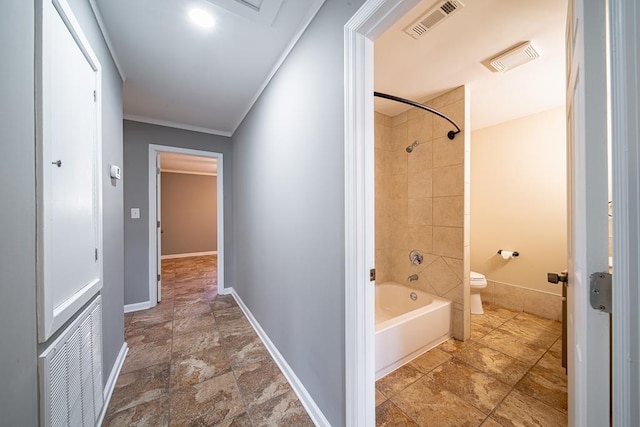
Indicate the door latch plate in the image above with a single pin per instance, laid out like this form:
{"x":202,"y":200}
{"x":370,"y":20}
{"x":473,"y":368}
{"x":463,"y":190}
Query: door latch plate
{"x":600,"y":292}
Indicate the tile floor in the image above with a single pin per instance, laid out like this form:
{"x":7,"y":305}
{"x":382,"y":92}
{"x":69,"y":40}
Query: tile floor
{"x":194,"y":360}
{"x":508,"y":374}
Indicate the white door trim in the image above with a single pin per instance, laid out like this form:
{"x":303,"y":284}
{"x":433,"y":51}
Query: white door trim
{"x":624,"y":18}
{"x":153,"y":150}
{"x":371,"y":20}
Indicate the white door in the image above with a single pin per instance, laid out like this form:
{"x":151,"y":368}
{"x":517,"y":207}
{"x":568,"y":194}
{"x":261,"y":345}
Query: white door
{"x":588,"y":329}
{"x":158,"y":228}
{"x":70,"y":233}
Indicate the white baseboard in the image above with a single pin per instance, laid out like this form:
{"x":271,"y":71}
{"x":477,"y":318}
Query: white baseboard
{"x":111,"y":381}
{"x":190,"y":254}
{"x":130,"y":308}
{"x":307,"y":401}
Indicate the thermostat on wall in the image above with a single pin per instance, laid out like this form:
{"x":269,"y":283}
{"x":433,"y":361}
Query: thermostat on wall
{"x":115,"y":171}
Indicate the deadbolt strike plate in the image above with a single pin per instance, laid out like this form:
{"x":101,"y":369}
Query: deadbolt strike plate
{"x":600,"y":292}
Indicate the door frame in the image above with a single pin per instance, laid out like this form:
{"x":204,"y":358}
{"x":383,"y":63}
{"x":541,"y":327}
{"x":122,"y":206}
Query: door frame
{"x":153,"y":241}
{"x":624,"y":19}
{"x":371,"y":20}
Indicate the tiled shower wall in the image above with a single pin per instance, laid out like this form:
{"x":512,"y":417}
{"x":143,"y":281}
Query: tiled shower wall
{"x":422,"y":202}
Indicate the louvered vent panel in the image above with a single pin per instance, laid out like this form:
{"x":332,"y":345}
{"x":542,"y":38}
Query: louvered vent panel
{"x":432,"y":17}
{"x":71,"y":372}
{"x":57,"y":381}
{"x":96,"y":358}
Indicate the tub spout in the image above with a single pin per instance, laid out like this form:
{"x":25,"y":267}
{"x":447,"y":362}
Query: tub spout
{"x":412,"y":277}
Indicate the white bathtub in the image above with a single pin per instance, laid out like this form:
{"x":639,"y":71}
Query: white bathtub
{"x":405,"y":328}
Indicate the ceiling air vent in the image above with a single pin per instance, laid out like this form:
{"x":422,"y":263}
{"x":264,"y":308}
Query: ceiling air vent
{"x":433,"y":17}
{"x":513,"y":57}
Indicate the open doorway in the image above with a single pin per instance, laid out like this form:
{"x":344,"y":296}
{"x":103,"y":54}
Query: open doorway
{"x":194,"y":211}
{"x":584,"y":253}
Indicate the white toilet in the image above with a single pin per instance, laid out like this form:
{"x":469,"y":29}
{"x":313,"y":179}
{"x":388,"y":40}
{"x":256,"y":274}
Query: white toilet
{"x":478,"y":282}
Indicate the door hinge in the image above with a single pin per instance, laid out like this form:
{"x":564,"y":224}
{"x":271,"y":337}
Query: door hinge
{"x":159,"y":277}
{"x":600,"y":292}
{"x":96,"y":254}
{"x":95,"y":96}
{"x":158,"y":223}
{"x":372,"y":275}
{"x":157,"y":171}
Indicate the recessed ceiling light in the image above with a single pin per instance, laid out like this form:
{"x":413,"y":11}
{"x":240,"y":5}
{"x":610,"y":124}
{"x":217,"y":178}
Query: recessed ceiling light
{"x":201,"y":18}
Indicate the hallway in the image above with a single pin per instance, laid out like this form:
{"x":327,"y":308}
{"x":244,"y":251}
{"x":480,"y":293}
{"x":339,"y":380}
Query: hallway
{"x":195,"y":360}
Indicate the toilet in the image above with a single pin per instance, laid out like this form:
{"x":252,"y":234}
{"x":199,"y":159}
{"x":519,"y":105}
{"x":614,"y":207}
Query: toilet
{"x":477,"y":282}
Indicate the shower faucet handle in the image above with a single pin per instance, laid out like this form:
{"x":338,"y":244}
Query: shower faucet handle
{"x":416,"y":257}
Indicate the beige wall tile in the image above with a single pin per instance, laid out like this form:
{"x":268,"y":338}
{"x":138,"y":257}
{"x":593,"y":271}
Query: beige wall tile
{"x":399,"y":211}
{"x":420,"y":159}
{"x":420,"y":185}
{"x":456,"y":295}
{"x":384,"y":213}
{"x":440,"y":277}
{"x":447,"y":152}
{"x":398,"y":119}
{"x":420,"y":211}
{"x":487,"y":293}
{"x":448,"y":241}
{"x":399,"y":236}
{"x":508,"y":296}
{"x":397,"y":163}
{"x":543,"y":305}
{"x":382,"y":119}
{"x":460,"y":323}
{"x":381,"y":162}
{"x":447,"y":98}
{"x":398,"y":187}
{"x":423,"y":285}
{"x":455,"y":112}
{"x":420,"y":238}
{"x":398,"y":136}
{"x":456,"y":265}
{"x":420,"y":129}
{"x":448,"y":211}
{"x":448,"y":181}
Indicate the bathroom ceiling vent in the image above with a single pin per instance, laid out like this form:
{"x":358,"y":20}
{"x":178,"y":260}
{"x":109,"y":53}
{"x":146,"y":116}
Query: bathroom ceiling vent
{"x":434,"y":16}
{"x":512,"y":58}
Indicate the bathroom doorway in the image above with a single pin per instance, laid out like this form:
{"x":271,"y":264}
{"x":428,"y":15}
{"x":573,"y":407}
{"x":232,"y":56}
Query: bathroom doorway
{"x":357,"y":62}
{"x":197,"y":164}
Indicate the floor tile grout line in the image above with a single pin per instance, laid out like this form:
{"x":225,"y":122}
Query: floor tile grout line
{"x":511,"y":388}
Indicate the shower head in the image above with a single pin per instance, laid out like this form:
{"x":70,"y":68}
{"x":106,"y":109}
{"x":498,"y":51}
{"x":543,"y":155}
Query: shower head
{"x":412,"y":146}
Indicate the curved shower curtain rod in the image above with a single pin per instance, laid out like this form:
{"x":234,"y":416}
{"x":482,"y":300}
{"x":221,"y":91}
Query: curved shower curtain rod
{"x":451,"y":134}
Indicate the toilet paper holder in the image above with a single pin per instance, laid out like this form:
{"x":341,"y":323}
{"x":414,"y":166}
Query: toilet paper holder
{"x":515,"y":253}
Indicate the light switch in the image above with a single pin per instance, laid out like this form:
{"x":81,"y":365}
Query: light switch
{"x":135,"y":213}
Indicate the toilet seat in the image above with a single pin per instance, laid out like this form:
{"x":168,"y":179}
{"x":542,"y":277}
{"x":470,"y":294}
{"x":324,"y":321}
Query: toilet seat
{"x":478,"y":279}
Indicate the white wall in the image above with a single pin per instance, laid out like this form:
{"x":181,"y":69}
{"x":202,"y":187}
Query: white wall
{"x":518,"y":200}
{"x":289,"y":209}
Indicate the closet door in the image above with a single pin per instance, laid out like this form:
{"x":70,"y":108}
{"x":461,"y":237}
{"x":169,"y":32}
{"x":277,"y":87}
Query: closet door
{"x":69,"y":208}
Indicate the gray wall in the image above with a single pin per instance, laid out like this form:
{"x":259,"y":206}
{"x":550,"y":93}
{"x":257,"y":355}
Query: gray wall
{"x":189,"y":213}
{"x":289,"y":209}
{"x":18,"y":352}
{"x":137,"y":138}
{"x":18,"y":380}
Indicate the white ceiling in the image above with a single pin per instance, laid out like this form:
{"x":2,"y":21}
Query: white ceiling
{"x":201,"y":79}
{"x":172,"y":162}
{"x":451,"y":55}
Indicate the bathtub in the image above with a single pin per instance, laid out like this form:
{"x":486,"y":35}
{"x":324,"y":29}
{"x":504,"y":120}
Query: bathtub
{"x":406,"y":328}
